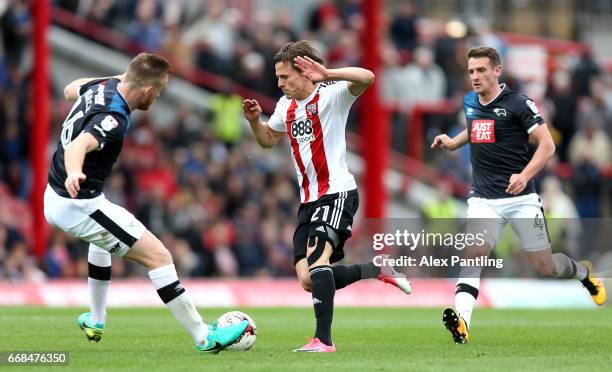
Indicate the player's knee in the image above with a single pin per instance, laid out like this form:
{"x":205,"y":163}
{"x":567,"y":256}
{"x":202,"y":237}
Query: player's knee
{"x":159,"y":257}
{"x":164,"y":257}
{"x":149,"y":252}
{"x":306,"y":284}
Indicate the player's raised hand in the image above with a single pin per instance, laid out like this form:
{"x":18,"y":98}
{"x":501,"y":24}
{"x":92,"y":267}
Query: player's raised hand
{"x":251,"y":109}
{"x":73,"y":183}
{"x":443,"y":141}
{"x":311,"y":69}
{"x":517,"y":184}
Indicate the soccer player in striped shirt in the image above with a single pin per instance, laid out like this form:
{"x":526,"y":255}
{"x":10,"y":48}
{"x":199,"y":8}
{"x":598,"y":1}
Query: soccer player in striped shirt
{"x":313,"y":114}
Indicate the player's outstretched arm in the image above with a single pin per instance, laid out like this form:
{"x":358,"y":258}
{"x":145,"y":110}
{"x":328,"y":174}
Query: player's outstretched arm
{"x":71,"y":91}
{"x":359,"y":78}
{"x":545,"y":150}
{"x":74,"y":156}
{"x":450,"y":144}
{"x":264,"y":135}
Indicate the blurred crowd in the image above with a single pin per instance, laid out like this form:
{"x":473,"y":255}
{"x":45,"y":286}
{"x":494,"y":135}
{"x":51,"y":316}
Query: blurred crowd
{"x":423,"y":58}
{"x":225,"y":207}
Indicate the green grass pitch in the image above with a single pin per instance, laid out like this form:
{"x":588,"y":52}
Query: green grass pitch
{"x":367,"y":340}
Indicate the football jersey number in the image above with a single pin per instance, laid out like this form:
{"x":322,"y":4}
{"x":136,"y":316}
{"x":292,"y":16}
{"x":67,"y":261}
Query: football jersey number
{"x":301,"y":128}
{"x":316,"y":215}
{"x":68,"y":126}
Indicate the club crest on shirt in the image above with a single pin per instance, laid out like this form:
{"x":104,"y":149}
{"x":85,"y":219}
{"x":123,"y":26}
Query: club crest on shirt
{"x":311,"y":108}
{"x":499,"y":111}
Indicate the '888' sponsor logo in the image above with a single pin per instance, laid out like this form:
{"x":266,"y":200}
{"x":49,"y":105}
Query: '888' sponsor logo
{"x":302,"y":131}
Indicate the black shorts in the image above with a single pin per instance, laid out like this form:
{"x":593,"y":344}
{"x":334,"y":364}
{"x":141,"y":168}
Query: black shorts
{"x":334,"y":210}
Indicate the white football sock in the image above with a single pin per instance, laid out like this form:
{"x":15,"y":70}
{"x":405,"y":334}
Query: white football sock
{"x":581,"y":271}
{"x":564,"y":267}
{"x":172,"y":293}
{"x":465,"y":301}
{"x":98,"y":289}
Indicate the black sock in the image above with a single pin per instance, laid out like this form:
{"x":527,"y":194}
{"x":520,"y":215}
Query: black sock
{"x":346,"y":274}
{"x":323,"y":290}
{"x":369,"y":270}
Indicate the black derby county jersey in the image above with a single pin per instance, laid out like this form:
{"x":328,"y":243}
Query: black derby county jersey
{"x":102,"y":112}
{"x":498,"y":134}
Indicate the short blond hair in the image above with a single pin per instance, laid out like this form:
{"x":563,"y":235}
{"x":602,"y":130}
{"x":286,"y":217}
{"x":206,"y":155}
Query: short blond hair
{"x":147,"y":69}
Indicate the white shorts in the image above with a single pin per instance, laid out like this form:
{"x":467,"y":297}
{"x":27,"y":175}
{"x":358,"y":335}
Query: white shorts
{"x":524,"y":213}
{"x":97,"y":221}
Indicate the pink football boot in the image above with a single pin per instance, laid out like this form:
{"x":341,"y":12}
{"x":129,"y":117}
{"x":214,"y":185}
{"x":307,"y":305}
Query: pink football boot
{"x":316,"y":346}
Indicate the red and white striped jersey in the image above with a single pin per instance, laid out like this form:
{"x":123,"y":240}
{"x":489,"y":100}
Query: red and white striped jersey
{"x":316,"y":129}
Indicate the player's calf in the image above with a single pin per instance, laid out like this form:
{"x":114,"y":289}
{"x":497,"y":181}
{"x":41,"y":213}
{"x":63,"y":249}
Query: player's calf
{"x":545,"y":271}
{"x":566,"y":268}
{"x":551,"y":266}
{"x":323,"y":288}
{"x":149,"y":252}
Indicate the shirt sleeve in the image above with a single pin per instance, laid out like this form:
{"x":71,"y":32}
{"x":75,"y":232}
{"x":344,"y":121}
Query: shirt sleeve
{"x":86,"y":86}
{"x":276,"y":121}
{"x":344,"y":96}
{"x":528,"y":115}
{"x":106,"y":127}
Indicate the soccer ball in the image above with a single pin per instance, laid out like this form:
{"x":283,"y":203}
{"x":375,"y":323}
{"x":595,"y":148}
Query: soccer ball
{"x":246,"y":341}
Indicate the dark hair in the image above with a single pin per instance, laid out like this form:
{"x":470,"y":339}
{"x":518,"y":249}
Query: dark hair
{"x":301,"y":48}
{"x":147,"y":70}
{"x":484,"y":51}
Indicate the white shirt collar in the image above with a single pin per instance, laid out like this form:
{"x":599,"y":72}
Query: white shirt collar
{"x":502,"y":87}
